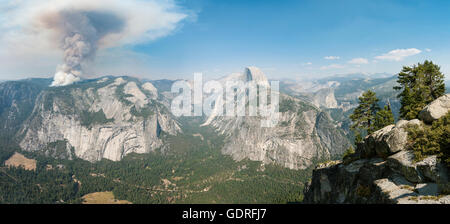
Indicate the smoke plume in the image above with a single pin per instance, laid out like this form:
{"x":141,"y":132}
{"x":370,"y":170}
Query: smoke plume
{"x":79,"y":28}
{"x":79,"y":33}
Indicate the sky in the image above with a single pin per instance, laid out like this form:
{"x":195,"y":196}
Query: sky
{"x":298,"y":39}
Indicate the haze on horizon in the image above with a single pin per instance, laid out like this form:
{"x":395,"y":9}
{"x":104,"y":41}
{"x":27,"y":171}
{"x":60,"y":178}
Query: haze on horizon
{"x":174,"y":39}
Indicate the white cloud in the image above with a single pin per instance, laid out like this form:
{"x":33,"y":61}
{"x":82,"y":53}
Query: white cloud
{"x":332,"y":66}
{"x":427,"y":49}
{"x":331,"y":57}
{"x":307,"y":63}
{"x":26,"y":39}
{"x":145,"y":20}
{"x":398,"y":54}
{"x":358,"y":61}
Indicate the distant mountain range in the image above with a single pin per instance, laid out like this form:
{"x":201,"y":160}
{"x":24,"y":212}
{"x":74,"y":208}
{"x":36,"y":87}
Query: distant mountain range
{"x":110,"y":117}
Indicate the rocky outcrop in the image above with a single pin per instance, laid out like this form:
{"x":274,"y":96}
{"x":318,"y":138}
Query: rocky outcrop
{"x":386,"y":141}
{"x":382,"y":170}
{"x":376,"y":180}
{"x":403,"y":163}
{"x":436,"y":109}
{"x":109,"y":119}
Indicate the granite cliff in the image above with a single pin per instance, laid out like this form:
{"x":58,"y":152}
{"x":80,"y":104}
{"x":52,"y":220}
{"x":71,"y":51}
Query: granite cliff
{"x":304,"y":133}
{"x":108,"y":118}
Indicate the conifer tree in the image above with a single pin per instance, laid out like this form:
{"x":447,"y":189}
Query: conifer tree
{"x":363,"y":116}
{"x":383,"y":118}
{"x":419,"y":85}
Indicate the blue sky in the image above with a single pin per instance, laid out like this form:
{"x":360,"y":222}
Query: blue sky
{"x":292,"y":38}
{"x":286,"y":39}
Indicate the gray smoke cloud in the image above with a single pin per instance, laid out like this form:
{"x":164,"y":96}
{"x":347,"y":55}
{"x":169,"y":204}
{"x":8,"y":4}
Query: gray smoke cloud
{"x":34,"y":30}
{"x":79,"y":33}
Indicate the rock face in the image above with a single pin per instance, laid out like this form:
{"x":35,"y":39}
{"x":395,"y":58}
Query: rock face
{"x":108,"y":119}
{"x":17,"y":100}
{"x":382,"y":170}
{"x":375,"y":180}
{"x":325,"y":98}
{"x":436,"y":109}
{"x":403,"y":163}
{"x":386,"y":141}
{"x":303,"y":132}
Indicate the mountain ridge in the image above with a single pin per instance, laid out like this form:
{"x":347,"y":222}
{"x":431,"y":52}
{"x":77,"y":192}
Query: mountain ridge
{"x":87,"y":118}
